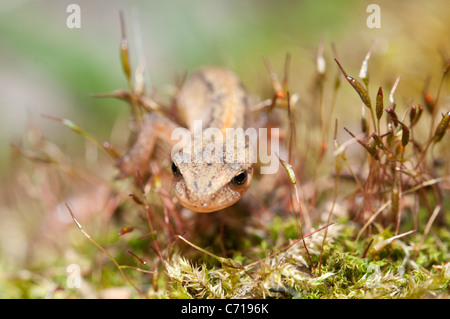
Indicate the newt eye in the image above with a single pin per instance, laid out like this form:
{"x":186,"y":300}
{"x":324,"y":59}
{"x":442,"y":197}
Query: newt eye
{"x":175,"y":170}
{"x":240,"y":179}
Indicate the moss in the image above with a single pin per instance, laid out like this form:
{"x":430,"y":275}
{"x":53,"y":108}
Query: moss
{"x":393,"y":188}
{"x":342,"y":274}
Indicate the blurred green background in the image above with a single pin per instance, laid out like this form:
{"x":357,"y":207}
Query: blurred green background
{"x":45,"y":67}
{"x":48,"y":68}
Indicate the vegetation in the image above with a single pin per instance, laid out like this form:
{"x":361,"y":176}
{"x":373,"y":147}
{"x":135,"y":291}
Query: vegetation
{"x":364,"y":216}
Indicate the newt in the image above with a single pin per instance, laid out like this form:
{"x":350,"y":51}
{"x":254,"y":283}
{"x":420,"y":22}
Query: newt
{"x":216,"y":97}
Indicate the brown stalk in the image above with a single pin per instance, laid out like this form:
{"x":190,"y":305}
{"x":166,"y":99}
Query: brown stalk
{"x":103,"y":250}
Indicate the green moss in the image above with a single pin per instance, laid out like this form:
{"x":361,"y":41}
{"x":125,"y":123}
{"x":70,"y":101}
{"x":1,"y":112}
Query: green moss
{"x":256,"y":240}
{"x":342,"y":274}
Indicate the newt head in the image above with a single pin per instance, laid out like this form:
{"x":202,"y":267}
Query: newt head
{"x":208,"y":187}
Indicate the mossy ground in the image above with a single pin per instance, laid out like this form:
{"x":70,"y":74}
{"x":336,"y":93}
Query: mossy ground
{"x":378,"y":190}
{"x":343,"y":273}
